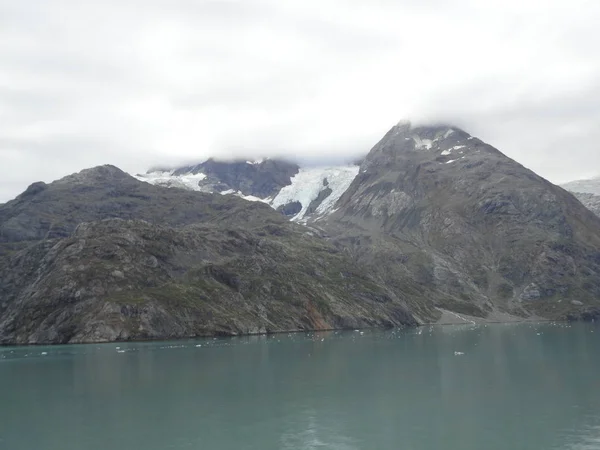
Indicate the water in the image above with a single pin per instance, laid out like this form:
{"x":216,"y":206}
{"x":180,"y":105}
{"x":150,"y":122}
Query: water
{"x":515,"y":387}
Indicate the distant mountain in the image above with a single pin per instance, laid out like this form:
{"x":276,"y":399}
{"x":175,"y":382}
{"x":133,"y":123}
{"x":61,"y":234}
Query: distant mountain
{"x":301,"y":193}
{"x":587,"y":192}
{"x":590,"y":201}
{"x":590,"y":186}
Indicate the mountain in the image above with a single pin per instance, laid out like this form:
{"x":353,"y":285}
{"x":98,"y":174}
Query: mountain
{"x":587,"y":192}
{"x":433,"y":226}
{"x":590,"y":186}
{"x":101,"y":256}
{"x":480,"y":233}
{"x":300,"y":193}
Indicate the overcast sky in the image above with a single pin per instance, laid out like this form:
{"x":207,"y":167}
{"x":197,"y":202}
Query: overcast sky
{"x":137,"y":83}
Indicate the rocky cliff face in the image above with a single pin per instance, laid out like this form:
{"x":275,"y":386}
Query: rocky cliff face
{"x":477,"y":231}
{"x":199,"y":264}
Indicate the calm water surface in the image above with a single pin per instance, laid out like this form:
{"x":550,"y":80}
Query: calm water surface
{"x":464,"y":387}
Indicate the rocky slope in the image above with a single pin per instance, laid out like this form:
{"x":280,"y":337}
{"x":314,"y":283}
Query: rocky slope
{"x":78,"y":265}
{"x":478,"y":232}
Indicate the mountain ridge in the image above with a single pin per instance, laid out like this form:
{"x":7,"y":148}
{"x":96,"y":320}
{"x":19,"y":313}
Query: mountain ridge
{"x":434,"y":222}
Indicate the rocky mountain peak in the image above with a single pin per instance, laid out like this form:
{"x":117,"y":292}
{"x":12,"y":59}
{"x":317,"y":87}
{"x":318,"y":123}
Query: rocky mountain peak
{"x":100,"y":174}
{"x":404,"y":143}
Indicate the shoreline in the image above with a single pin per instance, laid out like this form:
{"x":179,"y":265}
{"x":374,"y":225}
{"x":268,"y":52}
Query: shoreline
{"x":441,"y":323}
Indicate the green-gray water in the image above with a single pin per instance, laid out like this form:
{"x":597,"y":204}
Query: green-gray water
{"x":463,"y":387}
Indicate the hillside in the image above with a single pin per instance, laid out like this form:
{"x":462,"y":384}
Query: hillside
{"x":105,"y":257}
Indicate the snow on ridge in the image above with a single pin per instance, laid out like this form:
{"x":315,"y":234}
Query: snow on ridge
{"x":449,"y":151}
{"x":188,"y":181}
{"x":590,"y":186}
{"x":305,"y":187}
{"x":309,"y":183}
{"x":250,"y":198}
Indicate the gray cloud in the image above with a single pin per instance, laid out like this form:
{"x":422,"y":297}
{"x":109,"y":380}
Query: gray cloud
{"x":139,"y":83}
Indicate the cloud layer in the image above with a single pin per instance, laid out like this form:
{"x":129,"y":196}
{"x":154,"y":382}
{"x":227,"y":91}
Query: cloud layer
{"x":143,"y":82}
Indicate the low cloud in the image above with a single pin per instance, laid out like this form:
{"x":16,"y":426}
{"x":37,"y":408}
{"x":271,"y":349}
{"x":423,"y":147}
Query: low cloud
{"x":141,"y":83}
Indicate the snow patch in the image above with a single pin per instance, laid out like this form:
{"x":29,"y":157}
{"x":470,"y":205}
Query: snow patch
{"x":309,"y":183}
{"x":250,"y":198}
{"x":422,"y":144}
{"x":167,"y":179}
{"x":449,"y":151}
{"x":448,"y":133}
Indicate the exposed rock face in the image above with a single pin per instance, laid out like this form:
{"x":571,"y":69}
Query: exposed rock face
{"x":224,"y":266}
{"x":476,"y":231}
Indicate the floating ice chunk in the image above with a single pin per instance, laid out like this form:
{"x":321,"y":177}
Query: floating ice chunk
{"x":458,"y":353}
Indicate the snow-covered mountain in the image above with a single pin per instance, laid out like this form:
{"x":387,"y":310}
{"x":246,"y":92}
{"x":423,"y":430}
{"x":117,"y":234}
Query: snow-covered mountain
{"x":587,"y":192}
{"x":590,"y":186}
{"x":301,"y":193}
